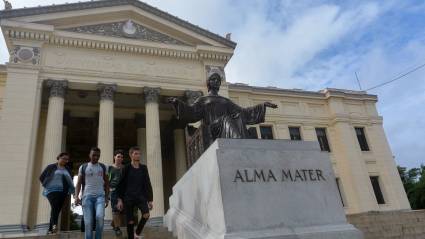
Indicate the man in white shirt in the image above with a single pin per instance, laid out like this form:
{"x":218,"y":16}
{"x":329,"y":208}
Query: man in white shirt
{"x":93,"y":180}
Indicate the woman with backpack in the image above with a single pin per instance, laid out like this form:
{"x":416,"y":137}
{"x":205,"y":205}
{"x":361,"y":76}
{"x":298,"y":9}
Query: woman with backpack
{"x":57,"y":183}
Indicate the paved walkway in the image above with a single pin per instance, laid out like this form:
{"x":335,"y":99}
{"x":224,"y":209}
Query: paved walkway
{"x":148,"y":232}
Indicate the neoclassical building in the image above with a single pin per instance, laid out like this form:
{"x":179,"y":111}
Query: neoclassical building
{"x":98,"y":73}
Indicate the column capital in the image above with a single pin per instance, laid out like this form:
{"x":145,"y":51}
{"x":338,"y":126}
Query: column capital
{"x":57,"y":88}
{"x":106,"y":91}
{"x":140,"y":120}
{"x":191,"y":95}
{"x":151,"y":94}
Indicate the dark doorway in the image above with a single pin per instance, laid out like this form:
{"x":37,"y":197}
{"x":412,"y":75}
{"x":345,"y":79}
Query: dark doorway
{"x":125,"y":136}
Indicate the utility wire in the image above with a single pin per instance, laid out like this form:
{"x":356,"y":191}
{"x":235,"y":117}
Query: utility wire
{"x":398,"y":77}
{"x":358,"y":81}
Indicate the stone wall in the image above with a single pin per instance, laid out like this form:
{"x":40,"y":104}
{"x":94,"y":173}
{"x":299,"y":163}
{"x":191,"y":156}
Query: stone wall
{"x":390,"y":224}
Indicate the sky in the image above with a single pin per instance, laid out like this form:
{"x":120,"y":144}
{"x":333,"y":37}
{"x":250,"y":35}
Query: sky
{"x":319,"y":44}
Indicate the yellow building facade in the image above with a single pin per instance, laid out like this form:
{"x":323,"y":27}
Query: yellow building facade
{"x":98,"y":73}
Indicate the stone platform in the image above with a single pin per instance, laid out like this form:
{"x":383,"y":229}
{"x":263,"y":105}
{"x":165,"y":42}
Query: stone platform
{"x":274,"y":189}
{"x":406,"y":224}
{"x":148,"y":232}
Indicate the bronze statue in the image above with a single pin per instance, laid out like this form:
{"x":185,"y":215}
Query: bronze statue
{"x":221,"y":118}
{"x":7,"y":5}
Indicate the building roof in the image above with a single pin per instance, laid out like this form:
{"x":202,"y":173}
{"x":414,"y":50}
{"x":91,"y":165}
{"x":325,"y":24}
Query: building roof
{"x":322,"y":93}
{"x":21,"y":12}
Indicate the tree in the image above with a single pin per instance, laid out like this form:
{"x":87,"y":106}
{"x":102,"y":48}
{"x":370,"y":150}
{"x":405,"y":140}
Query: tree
{"x":414,"y":185}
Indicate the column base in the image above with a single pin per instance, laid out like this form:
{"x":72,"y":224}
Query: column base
{"x":41,"y":229}
{"x":13,"y":230}
{"x":155,"y":222}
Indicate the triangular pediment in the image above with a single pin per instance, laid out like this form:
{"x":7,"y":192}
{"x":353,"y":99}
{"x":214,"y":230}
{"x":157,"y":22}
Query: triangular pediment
{"x":126,"y":29}
{"x":107,"y":17}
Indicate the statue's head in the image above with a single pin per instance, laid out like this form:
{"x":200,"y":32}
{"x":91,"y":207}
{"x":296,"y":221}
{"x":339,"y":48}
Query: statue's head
{"x":214,"y":82}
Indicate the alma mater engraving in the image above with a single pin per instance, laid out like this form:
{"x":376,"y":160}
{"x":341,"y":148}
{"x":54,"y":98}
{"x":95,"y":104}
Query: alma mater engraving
{"x":284,"y":175}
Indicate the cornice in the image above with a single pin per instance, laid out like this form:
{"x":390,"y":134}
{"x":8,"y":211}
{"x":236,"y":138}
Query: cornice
{"x":323,"y":94}
{"x":162,"y":50}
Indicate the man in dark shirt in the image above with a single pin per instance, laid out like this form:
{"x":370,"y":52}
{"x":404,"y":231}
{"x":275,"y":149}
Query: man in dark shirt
{"x":135,"y":191}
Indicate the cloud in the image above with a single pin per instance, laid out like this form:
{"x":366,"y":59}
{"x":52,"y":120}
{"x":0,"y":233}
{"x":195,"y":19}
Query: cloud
{"x":270,"y":55}
{"x":399,"y":102}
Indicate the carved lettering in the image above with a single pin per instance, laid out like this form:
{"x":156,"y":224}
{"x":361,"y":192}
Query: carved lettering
{"x":287,"y":175}
{"x":259,"y":175}
{"x":271,"y":176}
{"x":311,"y":174}
{"x":247,"y":178}
{"x":238,"y":176}
{"x":298,"y":175}
{"x":319,"y":174}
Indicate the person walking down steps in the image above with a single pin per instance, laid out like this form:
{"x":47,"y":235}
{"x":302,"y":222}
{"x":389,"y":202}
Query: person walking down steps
{"x":135,"y":191}
{"x":93,"y":179}
{"x":57,"y":183}
{"x":114,"y":174}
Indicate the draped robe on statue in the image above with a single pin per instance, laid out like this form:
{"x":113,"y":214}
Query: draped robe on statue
{"x":221,"y":118}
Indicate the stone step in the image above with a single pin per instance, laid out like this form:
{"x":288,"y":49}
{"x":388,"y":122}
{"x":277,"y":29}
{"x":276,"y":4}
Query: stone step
{"x":148,"y":232}
{"x":393,"y":224}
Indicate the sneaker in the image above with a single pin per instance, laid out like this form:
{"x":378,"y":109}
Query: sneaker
{"x":118,"y":232}
{"x":54,"y":229}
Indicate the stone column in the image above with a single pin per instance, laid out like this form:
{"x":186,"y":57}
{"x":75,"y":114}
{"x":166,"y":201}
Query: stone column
{"x":153,"y":149}
{"x":180,"y":152}
{"x":140,"y":120}
{"x":65,"y":129}
{"x":105,"y":137}
{"x":64,"y":221}
{"x":178,"y":128}
{"x":20,"y":115}
{"x":52,"y":140}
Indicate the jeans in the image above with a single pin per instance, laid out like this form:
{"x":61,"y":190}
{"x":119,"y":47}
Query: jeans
{"x":56,"y":200}
{"x":93,"y":205}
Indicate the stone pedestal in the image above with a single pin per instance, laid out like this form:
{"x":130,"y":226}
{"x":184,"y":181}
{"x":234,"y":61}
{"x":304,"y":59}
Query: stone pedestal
{"x":259,"y":189}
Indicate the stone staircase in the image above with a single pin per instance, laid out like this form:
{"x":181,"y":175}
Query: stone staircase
{"x":149,"y":232}
{"x":392,"y":224}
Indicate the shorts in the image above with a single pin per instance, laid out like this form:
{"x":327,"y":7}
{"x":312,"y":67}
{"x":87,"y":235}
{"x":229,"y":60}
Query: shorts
{"x":130,"y":205}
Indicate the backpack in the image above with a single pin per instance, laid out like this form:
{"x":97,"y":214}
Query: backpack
{"x":83,"y":173}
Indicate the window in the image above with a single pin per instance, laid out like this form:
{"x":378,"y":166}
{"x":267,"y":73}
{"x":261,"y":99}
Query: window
{"x":323,"y":139}
{"x":266,"y":132}
{"x":377,"y":189}
{"x":361,"y":137}
{"x":295,"y":133}
{"x":338,"y":184}
{"x":253,"y":133}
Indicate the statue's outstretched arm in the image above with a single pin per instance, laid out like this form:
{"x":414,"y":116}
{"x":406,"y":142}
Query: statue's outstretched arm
{"x":184,"y":111}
